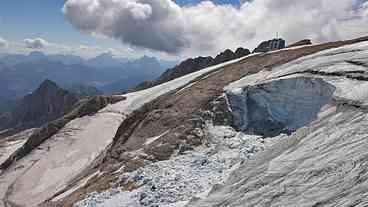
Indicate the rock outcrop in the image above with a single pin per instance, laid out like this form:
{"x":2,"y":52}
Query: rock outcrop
{"x":188,"y":66}
{"x":300,"y":43}
{"x":241,"y":52}
{"x":270,"y":45}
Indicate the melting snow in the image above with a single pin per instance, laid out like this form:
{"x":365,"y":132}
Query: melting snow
{"x":43,"y":173}
{"x":153,"y":139}
{"x":174,"y":182}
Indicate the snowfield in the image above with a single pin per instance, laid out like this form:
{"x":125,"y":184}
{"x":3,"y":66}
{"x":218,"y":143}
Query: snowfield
{"x":319,"y":100}
{"x":299,"y":139}
{"x":51,"y":167}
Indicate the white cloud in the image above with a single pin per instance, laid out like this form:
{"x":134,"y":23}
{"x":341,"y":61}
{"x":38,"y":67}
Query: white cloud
{"x":3,"y":43}
{"x":155,"y":24}
{"x":162,"y":25}
{"x":37,"y":43}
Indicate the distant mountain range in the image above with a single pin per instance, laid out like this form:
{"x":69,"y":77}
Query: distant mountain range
{"x":22,"y":74}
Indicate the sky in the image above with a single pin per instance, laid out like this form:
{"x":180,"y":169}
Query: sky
{"x":171,"y":29}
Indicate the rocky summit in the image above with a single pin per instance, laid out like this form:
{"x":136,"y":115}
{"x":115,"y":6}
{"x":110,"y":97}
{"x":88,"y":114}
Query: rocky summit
{"x":47,"y":103}
{"x":270,"y":45}
{"x":280,"y":128}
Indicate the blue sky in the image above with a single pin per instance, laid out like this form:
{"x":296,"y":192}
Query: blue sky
{"x":41,"y":19}
{"x":192,"y":30}
{"x":22,"y":19}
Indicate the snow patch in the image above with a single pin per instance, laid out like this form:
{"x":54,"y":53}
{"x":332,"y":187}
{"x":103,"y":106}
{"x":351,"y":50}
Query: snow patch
{"x":153,"y":139}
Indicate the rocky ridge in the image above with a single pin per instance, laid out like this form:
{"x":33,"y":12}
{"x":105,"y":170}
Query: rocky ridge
{"x":194,"y":64}
{"x":45,"y":104}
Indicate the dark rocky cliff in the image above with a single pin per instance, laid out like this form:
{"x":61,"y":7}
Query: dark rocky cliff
{"x":47,"y":103}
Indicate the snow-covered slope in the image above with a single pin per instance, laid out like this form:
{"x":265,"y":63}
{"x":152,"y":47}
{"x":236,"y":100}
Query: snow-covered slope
{"x":324,"y":160}
{"x":51,"y":167}
{"x":244,"y":133}
{"x":9,"y":145}
{"x":267,"y":107}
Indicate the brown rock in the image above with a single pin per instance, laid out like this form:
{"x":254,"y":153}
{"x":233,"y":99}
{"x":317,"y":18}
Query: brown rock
{"x":301,"y":43}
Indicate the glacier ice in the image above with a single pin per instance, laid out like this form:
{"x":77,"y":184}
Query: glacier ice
{"x":280,"y":106}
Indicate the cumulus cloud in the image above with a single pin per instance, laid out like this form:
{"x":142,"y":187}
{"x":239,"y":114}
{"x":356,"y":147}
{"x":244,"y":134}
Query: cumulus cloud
{"x":164,"y":26}
{"x":37,"y":43}
{"x":3,"y":43}
{"x":154,"y":24}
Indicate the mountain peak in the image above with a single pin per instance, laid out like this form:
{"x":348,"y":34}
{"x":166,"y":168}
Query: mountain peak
{"x":47,"y":103}
{"x":47,"y":85}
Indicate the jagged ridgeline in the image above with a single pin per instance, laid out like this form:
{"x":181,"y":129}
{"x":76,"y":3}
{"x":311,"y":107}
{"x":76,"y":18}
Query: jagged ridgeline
{"x":274,"y":128}
{"x":192,"y":65}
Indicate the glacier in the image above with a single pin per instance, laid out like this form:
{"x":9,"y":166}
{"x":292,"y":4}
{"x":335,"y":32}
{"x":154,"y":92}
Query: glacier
{"x":320,"y":163}
{"x":61,"y":159}
{"x":297,"y":138}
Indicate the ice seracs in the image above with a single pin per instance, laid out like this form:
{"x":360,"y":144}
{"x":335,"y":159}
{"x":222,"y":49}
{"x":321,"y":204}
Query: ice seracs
{"x":279,"y":106}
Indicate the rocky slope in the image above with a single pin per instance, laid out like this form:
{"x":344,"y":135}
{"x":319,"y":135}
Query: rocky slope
{"x":272,"y":129}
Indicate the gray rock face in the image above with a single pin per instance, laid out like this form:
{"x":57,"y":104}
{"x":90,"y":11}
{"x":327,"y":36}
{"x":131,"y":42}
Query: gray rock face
{"x":230,"y":55}
{"x":188,"y":66}
{"x":266,"y":46}
{"x":241,"y":52}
